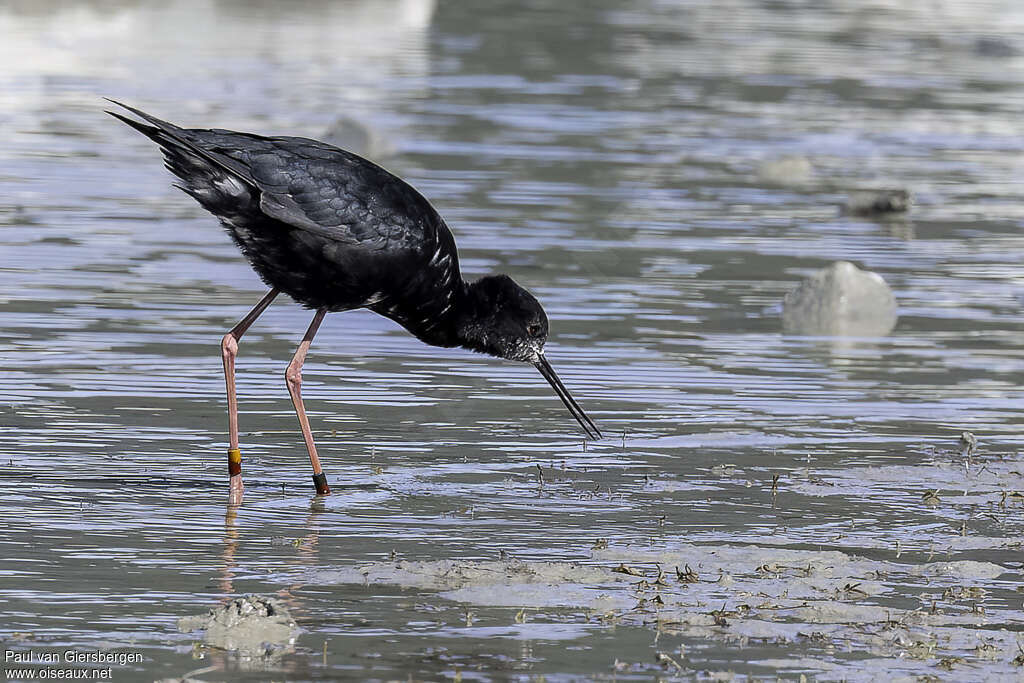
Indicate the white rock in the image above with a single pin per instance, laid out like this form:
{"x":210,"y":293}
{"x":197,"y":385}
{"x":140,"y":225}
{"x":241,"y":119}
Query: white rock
{"x":840,"y":300}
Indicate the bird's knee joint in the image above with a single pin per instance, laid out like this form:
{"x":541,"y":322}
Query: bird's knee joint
{"x":293,"y":376}
{"x":229,"y":345}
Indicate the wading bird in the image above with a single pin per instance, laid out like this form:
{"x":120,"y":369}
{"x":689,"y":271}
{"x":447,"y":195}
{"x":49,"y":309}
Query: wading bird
{"x":336,"y":232}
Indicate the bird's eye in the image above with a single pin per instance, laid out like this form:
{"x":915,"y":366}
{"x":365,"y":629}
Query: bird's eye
{"x":533,"y":330}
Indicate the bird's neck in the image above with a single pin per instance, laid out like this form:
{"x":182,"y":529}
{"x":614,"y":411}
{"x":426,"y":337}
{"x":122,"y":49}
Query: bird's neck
{"x":435,"y":321}
{"x":468,"y":325}
{"x":462,"y":323}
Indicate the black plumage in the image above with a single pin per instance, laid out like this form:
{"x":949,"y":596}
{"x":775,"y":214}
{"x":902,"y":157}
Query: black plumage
{"x":337,"y":232}
{"x":329,"y":228}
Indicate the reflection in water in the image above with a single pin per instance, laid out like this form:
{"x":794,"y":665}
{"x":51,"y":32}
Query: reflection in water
{"x":230,"y":549}
{"x":273,"y":656}
{"x":305,"y":547}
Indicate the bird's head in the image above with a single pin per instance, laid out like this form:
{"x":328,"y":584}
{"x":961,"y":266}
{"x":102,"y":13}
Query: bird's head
{"x":502,"y":319}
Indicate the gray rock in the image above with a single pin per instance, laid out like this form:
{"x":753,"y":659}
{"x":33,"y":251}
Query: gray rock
{"x":358,"y":137}
{"x":878,"y":202}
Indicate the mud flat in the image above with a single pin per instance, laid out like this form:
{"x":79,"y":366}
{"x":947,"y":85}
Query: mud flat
{"x":836,"y":601}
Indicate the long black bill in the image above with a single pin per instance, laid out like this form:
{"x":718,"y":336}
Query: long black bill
{"x":549,"y":374}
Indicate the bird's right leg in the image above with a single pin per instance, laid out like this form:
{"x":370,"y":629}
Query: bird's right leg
{"x":229,"y":350}
{"x":293,"y":376}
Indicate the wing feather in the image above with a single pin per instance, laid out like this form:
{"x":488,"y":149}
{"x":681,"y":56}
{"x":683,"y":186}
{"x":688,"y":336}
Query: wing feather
{"x":304,"y":183}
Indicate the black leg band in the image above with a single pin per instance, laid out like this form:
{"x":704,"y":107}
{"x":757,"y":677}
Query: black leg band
{"x":320,"y":482}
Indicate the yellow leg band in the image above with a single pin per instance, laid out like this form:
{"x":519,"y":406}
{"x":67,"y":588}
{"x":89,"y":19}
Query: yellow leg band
{"x":234,"y":461}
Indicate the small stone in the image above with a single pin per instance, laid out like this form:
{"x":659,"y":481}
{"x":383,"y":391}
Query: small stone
{"x":791,"y":171}
{"x":994,"y":46}
{"x":878,"y":202}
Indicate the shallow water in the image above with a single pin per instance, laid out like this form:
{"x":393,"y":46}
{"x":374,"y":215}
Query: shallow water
{"x":660,"y":177}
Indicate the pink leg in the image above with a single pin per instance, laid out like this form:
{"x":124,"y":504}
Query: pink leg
{"x":229,"y":350}
{"x":293,"y":376}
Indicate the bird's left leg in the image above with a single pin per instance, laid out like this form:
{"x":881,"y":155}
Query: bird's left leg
{"x":293,"y":376}
{"x":229,"y":351}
